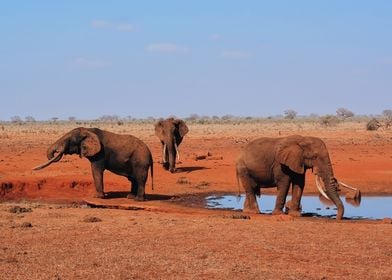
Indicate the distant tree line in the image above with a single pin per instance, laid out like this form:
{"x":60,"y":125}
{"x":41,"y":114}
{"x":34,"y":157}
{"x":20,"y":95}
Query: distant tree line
{"x":342,"y":114}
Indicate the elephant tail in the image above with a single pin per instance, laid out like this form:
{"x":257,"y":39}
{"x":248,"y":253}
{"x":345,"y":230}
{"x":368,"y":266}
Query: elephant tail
{"x":238,"y":183}
{"x":152,"y":175}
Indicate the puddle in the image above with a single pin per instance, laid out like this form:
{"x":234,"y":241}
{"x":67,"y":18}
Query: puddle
{"x":371,"y":207}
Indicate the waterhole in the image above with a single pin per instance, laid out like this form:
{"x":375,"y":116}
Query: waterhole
{"x":370,"y":207}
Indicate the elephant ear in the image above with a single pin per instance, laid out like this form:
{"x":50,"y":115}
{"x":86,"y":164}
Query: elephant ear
{"x":290,"y":153}
{"x":90,"y":145}
{"x":159,"y":129}
{"x":182,"y":127}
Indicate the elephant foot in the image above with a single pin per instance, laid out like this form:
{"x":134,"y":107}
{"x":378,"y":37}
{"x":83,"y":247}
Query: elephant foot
{"x":277,"y":212}
{"x":165,"y":165}
{"x":100,"y":195}
{"x":172,"y":170}
{"x":294,"y":213}
{"x":250,"y":211}
{"x":138,"y":198}
{"x":131,"y":196}
{"x":289,"y":207}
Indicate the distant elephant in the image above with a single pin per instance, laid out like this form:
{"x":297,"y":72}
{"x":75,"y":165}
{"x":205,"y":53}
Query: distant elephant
{"x":281,"y":162}
{"x":171,"y":132}
{"x":123,"y":155}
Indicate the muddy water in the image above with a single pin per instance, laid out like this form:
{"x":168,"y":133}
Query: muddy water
{"x":371,"y":207}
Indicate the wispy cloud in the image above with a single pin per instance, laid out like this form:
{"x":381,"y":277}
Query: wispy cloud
{"x":166,"y":48}
{"x":118,"y":26}
{"x":87,"y":63}
{"x":235,"y":54}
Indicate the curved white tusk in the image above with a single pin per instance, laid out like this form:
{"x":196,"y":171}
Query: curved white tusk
{"x":320,"y":188}
{"x":49,"y":162}
{"x":164,"y":153}
{"x":347,"y":186}
{"x":178,"y":154}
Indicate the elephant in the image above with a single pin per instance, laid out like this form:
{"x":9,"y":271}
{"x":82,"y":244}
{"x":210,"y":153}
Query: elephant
{"x":282,"y":162}
{"x":171,"y":132}
{"x":123,"y":155}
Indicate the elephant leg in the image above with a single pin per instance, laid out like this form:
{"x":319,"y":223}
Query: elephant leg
{"x":250,"y":204}
{"x":140,"y":196}
{"x":251,"y":189}
{"x":298,"y":187}
{"x":134,"y":188}
{"x":138,"y":184}
{"x":97,"y":172}
{"x":283,"y":188}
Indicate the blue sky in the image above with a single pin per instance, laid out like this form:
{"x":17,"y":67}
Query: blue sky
{"x":158,"y":58}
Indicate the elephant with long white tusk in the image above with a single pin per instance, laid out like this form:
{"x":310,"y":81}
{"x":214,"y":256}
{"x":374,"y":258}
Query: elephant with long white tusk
{"x":170,"y":132}
{"x":282,"y":162}
{"x":124,"y":155}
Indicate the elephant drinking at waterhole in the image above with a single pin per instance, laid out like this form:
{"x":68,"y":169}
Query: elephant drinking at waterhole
{"x":123,"y":155}
{"x":281,"y":163}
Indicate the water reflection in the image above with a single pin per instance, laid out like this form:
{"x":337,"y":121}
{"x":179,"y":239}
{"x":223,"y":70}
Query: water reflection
{"x":355,"y":202}
{"x":368,"y":207}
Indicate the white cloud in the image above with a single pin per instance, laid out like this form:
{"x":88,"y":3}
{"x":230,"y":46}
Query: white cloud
{"x":103,"y":24}
{"x":235,"y":54}
{"x":166,"y":48}
{"x":83,"y":62}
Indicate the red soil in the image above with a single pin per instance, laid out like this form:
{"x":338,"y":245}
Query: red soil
{"x":188,"y":242}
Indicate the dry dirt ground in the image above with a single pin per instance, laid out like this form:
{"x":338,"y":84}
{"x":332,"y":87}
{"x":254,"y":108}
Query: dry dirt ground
{"x":48,"y":232}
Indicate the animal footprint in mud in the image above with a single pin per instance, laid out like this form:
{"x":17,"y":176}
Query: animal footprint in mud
{"x":92,"y":219}
{"x":19,"y":210}
{"x":240,"y":216}
{"x":26,"y":225}
{"x":201,"y":185}
{"x":207,"y":156}
{"x":183,"y":181}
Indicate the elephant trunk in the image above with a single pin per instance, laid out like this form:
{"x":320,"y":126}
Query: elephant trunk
{"x":164,"y":154}
{"x":57,"y":147}
{"x":177,"y":152}
{"x":172,"y":151}
{"x":49,"y":162}
{"x":331,"y":190}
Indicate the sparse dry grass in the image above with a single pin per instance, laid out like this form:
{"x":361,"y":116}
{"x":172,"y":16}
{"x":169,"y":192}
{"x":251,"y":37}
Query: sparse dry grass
{"x":145,"y":129}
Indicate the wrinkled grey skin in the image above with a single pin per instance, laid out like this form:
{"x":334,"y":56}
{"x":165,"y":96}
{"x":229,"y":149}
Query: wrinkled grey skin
{"x":281,"y":162}
{"x":123,"y":155}
{"x":171,"y":132}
